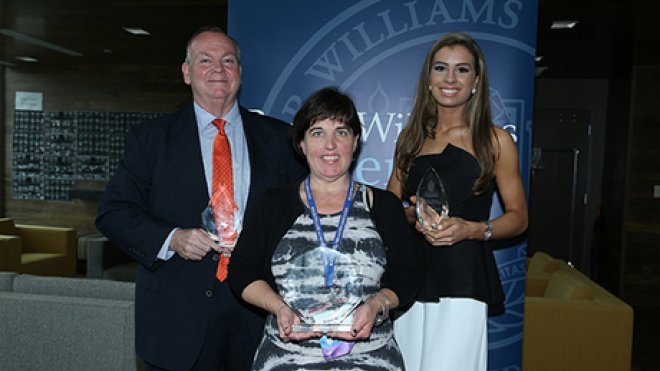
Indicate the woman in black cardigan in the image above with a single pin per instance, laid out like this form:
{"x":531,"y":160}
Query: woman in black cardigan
{"x":363,"y":238}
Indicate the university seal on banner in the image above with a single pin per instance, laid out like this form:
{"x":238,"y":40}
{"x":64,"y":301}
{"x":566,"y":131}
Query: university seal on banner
{"x":374,"y":49}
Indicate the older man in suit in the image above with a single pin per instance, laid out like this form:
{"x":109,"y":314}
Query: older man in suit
{"x":187,"y":319}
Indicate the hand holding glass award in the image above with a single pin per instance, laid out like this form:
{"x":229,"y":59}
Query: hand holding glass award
{"x":324,"y":303}
{"x":432,"y":205}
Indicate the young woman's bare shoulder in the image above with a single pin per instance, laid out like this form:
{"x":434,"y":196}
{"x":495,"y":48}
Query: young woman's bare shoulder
{"x":502,"y":141}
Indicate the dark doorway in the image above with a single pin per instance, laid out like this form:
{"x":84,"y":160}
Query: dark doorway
{"x":559,"y":183}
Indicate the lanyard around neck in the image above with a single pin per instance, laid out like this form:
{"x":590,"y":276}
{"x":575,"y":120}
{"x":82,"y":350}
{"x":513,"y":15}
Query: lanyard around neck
{"x":329,"y":256}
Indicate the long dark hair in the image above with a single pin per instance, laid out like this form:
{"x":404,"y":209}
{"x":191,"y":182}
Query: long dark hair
{"x":423,"y":116}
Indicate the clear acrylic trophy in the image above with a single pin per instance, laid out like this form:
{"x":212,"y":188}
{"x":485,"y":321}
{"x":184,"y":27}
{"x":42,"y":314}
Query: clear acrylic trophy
{"x":432,"y":204}
{"x":219,"y":218}
{"x":322,"y":306}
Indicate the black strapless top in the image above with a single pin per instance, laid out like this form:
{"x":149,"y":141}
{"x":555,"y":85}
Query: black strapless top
{"x":468,"y":268}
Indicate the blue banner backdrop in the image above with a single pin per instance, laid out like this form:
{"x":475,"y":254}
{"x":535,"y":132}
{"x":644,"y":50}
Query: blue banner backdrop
{"x":374,"y":50}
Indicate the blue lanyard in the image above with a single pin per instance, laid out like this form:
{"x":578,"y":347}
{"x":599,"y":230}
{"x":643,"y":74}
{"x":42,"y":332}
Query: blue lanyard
{"x":329,"y":256}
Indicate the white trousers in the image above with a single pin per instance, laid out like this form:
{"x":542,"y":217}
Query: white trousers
{"x":447,"y":336}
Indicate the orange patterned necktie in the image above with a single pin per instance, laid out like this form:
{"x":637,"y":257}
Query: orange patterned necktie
{"x":222,"y":199}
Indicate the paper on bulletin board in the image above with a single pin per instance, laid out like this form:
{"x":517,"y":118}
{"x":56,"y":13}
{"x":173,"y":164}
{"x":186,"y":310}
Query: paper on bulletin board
{"x":29,"y":101}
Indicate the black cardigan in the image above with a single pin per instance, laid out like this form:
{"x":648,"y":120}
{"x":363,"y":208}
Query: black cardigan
{"x":270,"y":219}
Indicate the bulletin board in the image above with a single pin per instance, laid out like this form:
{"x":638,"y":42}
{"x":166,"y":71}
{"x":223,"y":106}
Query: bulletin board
{"x":54,"y":150}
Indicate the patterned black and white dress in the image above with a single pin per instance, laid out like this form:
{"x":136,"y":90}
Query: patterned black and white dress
{"x":363,"y":245}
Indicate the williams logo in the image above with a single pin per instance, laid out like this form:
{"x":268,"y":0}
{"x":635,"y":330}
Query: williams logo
{"x":374,"y":50}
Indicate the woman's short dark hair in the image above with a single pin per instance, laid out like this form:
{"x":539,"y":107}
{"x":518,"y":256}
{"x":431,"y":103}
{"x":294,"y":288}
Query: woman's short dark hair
{"x":326,"y":103}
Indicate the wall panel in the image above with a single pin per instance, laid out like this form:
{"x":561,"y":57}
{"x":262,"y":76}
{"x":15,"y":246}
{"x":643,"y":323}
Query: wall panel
{"x":89,"y":89}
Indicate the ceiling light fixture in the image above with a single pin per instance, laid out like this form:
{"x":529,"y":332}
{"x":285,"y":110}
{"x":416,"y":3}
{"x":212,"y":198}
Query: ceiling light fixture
{"x":563,"y":25}
{"x":27,"y":59}
{"x":136,"y":30}
{"x":33,"y":40}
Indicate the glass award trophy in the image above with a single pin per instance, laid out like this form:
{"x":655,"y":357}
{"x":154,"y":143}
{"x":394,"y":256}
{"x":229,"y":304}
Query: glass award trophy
{"x":323,"y":303}
{"x":219,"y":217}
{"x":432,"y":204}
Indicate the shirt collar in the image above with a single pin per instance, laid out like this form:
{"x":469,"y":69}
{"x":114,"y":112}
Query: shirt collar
{"x":204,"y":118}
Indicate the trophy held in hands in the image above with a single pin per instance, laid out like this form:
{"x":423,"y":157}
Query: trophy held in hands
{"x":222,"y":223}
{"x":323,"y":287}
{"x":432,"y":204}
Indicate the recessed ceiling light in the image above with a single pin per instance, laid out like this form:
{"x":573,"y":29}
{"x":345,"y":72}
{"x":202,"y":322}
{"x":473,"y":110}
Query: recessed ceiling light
{"x":27,"y":59}
{"x":538,"y":58}
{"x":563,"y":25}
{"x":136,"y":30}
